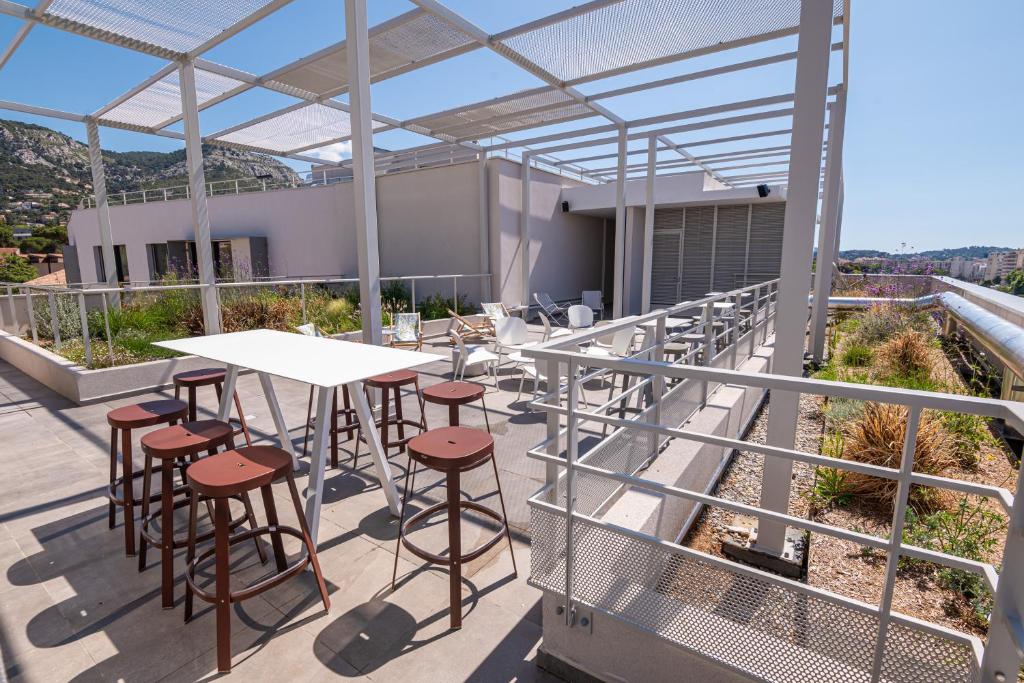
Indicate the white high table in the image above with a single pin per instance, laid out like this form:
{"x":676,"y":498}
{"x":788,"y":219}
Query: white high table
{"x":320,"y":361}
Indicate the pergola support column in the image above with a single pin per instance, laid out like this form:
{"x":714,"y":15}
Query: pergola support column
{"x":620,"y":227}
{"x":652,"y":160}
{"x":524,"y":231}
{"x":364,"y":182}
{"x":99,"y":188}
{"x":797,"y":242}
{"x":827,"y":232}
{"x":485,"y":228}
{"x":197,"y":194}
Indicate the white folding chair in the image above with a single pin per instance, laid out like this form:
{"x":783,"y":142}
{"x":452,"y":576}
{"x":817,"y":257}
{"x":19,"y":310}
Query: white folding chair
{"x":549,"y":332}
{"x":472,"y":354}
{"x":594,"y":300}
{"x":580,"y":317}
{"x":548,"y":305}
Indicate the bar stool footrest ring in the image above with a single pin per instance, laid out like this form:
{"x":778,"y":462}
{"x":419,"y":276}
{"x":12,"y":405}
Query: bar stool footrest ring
{"x":412,"y":522}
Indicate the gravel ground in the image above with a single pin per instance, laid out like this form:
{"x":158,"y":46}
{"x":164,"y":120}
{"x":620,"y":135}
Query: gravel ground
{"x":841,"y":566}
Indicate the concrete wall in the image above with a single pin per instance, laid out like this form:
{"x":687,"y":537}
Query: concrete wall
{"x":429,"y":224}
{"x":309,"y":231}
{"x":565,"y":248}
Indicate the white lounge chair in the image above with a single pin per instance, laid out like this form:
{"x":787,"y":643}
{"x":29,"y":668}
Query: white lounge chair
{"x":594,"y":300}
{"x":548,"y":305}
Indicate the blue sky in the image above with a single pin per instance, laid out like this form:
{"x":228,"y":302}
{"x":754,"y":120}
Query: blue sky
{"x":935,"y":101}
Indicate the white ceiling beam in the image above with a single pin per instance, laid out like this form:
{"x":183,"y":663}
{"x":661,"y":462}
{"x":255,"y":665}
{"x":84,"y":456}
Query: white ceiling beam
{"x":40,"y":111}
{"x":238,"y":27}
{"x":21,"y":34}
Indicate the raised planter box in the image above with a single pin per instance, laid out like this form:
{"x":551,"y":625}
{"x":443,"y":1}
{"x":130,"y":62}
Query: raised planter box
{"x":83,"y":385}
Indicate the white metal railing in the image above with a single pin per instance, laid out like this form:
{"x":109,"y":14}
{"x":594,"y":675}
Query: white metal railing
{"x":771,"y":627}
{"x":22,"y":297}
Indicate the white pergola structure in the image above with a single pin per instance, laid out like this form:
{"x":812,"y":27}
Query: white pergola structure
{"x":566,"y":50}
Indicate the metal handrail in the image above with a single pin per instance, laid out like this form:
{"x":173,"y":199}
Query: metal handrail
{"x":565,"y":351}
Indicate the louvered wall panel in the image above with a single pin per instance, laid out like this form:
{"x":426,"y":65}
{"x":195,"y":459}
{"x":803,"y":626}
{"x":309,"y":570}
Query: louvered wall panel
{"x":668,"y":219}
{"x":665,"y":267}
{"x":697,"y":240}
{"x":765,"y":242}
{"x":730,"y":247}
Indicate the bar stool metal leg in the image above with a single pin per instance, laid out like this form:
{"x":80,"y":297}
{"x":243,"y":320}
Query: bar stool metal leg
{"x":111,"y":508}
{"x":223,"y":583}
{"x":454,"y":549}
{"x":128,"y":490}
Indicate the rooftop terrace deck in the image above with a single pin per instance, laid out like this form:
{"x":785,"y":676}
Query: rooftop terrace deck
{"x":75,"y":608}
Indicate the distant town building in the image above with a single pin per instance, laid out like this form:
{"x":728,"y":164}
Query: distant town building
{"x":1002,"y":263}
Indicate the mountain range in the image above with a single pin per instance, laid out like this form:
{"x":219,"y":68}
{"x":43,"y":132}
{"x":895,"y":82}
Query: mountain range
{"x":51,"y":170}
{"x":971,"y":252}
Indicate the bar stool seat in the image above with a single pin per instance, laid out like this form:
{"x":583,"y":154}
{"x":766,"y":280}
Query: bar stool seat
{"x":455,"y":394}
{"x":452,"y":450}
{"x":390,"y":384}
{"x":122,"y":421}
{"x":176,"y":446}
{"x":233,"y":473}
{"x":190,"y":380}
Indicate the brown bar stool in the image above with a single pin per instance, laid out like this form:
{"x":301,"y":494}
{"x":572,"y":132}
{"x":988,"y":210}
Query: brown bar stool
{"x":393,"y":382}
{"x":124,"y":420}
{"x":193,"y":379}
{"x":452,"y":450}
{"x":176,"y":446}
{"x":220,"y":477}
{"x":453,"y":395}
{"x":351,"y":424}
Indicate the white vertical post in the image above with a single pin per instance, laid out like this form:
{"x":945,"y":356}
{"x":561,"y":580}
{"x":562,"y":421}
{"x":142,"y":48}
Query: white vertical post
{"x":839,"y":220}
{"x":798,"y":235}
{"x":524,"y":232}
{"x":364,"y":182}
{"x":652,"y":159}
{"x":200,"y":210}
{"x":99,"y":188}
{"x":827,"y":230}
{"x":620,"y":226}
{"x":485,"y":229}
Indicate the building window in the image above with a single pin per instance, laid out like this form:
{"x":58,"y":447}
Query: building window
{"x":120,"y":262}
{"x":156,"y":254}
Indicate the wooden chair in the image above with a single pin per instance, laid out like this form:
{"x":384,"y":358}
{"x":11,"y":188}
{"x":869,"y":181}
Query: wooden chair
{"x":408,"y":332}
{"x":470,"y":331}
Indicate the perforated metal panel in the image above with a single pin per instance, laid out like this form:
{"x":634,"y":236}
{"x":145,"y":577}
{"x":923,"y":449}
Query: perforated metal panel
{"x":395,"y":46}
{"x":161,"y":101}
{"x":303,"y":127}
{"x":766,"y":226}
{"x":730,"y":246}
{"x":772,"y":629}
{"x":176,"y":25}
{"x":530,"y":108}
{"x":699,"y":233}
{"x":623,"y":34}
{"x":665,"y":275}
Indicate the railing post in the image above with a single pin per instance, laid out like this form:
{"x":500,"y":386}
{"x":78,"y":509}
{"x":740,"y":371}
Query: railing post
{"x":658,"y":383}
{"x":572,"y":449}
{"x":551,"y":369}
{"x":455,"y":293}
{"x":302,"y":295}
{"x":106,"y":329}
{"x":734,"y":341}
{"x":412,"y":286}
{"x":754,"y":309}
{"x":14,"y":311}
{"x":1002,"y":659}
{"x":165,"y":194}
{"x":896,"y":537}
{"x":143,"y":196}
{"x":54,"y":320}
{"x":709,"y":347}
{"x":124,"y":199}
{"x":31,"y":316}
{"x":236,"y":185}
{"x":83,"y":318}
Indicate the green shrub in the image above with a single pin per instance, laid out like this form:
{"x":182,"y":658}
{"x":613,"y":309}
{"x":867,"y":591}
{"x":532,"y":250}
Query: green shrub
{"x":969,"y":433}
{"x":14,"y":268}
{"x":436,"y":306}
{"x":856,"y":354}
{"x":969,"y":531}
{"x":69,"y":322}
{"x":883,"y":321}
{"x":830,"y":486}
{"x":394,"y":296}
{"x":840,"y":412}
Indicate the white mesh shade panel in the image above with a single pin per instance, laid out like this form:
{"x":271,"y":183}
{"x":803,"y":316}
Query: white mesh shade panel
{"x":162,"y":100}
{"x":304,"y":127}
{"x":175,"y":25}
{"x":631,"y":32}
{"x":531,"y":108}
{"x":394,"y":46}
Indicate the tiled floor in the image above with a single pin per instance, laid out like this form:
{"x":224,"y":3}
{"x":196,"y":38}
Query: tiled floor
{"x":73,"y":607}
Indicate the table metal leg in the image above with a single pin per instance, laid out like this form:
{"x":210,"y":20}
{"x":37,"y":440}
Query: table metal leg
{"x":227,"y":392}
{"x":380,"y":461}
{"x":275,"y":412}
{"x":318,"y":460}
